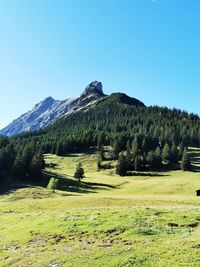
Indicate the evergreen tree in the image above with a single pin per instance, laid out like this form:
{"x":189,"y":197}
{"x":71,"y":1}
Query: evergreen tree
{"x":27,"y":155}
{"x":145,"y":145}
{"x":59,"y":150}
{"x":99,"y":142}
{"x":185,"y":162}
{"x":19,"y":167}
{"x":166,"y":153}
{"x":99,"y":161}
{"x":174,"y":154}
{"x":157,"y":157}
{"x":79,"y":172}
{"x":181,"y":150}
{"x":36,"y":167}
{"x":128,"y":155}
{"x":101,"y":153}
{"x":137,"y":164}
{"x":122,"y":167}
{"x":116,"y":149}
{"x":151,"y":159}
{"x":7,"y":157}
{"x":135,"y":146}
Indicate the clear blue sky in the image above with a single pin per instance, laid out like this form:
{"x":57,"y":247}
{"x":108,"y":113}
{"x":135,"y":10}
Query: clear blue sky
{"x":147,"y":49}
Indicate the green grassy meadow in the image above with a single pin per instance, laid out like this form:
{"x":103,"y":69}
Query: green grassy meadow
{"x":151,"y":219}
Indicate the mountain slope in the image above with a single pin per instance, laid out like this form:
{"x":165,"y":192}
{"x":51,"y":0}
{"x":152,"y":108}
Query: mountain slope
{"x":49,"y":110}
{"x":41,"y":115}
{"x":121,"y":98}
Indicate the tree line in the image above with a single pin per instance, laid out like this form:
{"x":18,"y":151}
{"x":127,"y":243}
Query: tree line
{"x":115,"y":125}
{"x":21,"y":161}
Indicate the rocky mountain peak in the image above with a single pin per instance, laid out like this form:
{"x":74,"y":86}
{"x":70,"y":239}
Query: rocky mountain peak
{"x":94,"y":87}
{"x":48,"y":99}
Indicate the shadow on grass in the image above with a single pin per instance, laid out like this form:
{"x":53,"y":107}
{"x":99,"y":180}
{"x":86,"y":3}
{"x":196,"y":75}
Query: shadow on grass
{"x":146,"y":174}
{"x":195,"y":160}
{"x":66,"y":184}
{"x":69,"y":184}
{"x":8,"y":185}
{"x":195,"y":168}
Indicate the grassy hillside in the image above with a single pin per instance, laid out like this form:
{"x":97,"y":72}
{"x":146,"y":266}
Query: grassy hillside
{"x":151,"y":219}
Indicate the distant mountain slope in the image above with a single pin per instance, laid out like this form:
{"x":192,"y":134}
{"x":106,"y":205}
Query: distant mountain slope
{"x":49,"y":110}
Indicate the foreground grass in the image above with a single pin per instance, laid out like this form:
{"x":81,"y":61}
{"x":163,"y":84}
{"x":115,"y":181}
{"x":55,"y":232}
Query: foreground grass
{"x":148,"y":220}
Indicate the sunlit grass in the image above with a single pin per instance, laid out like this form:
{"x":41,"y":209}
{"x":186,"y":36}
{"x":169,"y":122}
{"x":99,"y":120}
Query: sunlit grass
{"x":148,"y":220}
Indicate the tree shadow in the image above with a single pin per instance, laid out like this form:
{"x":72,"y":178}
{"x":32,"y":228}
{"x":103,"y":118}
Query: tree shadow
{"x":71,"y":155}
{"x":147,"y":174}
{"x":69,"y":184}
{"x":195,"y":160}
{"x":195,"y":168}
{"x":8,"y":185}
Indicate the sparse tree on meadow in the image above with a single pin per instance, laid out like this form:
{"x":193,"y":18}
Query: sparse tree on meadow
{"x":79,"y":172}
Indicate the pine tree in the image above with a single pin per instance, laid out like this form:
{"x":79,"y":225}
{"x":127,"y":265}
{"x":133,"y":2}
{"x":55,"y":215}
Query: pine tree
{"x":166,"y":153}
{"x":128,"y":155}
{"x":59,"y":150}
{"x":158,"y":157}
{"x":101,"y":153}
{"x":79,"y":172}
{"x":99,"y":161}
{"x":19,"y":167}
{"x":116,"y":149}
{"x":137,"y":164}
{"x":99,"y":142}
{"x":121,"y":167}
{"x":151,"y":159}
{"x":27,"y":155}
{"x":145,"y":145}
{"x":36,"y":167}
{"x":181,"y":150}
{"x":174,"y":154}
{"x":135,"y":146}
{"x":185,"y":162}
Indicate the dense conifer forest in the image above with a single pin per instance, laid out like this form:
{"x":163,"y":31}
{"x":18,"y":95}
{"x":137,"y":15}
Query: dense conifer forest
{"x":142,"y":138}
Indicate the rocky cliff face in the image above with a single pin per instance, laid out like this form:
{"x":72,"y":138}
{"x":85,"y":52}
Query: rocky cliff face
{"x":49,"y":110}
{"x":95,"y":87}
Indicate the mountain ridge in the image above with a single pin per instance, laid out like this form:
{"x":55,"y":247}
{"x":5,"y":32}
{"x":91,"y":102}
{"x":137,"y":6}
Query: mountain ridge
{"x":49,"y":110}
